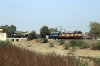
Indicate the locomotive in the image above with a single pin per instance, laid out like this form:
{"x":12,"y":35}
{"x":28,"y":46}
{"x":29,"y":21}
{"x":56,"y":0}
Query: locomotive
{"x":66,"y":35}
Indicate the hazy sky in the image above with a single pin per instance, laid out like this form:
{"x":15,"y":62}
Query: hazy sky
{"x":28,"y":15}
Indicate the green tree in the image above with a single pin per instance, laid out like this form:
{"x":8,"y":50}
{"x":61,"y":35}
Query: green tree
{"x":8,"y":29}
{"x":32,"y":34}
{"x":44,"y":31}
{"x":13,"y":29}
{"x":53,"y":30}
{"x":94,"y":29}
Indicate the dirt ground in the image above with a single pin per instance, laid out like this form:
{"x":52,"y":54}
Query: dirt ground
{"x":36,"y":45}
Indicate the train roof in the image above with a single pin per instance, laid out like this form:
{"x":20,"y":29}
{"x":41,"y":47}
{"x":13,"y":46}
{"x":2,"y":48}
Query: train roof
{"x":71,"y":32}
{"x":54,"y":32}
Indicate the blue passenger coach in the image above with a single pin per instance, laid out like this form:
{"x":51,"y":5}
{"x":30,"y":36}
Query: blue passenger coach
{"x":54,"y":35}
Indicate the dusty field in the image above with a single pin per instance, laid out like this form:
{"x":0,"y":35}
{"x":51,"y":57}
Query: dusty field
{"x":36,"y":45}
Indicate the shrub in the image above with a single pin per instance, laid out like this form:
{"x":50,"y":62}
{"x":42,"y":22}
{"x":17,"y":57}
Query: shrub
{"x":51,"y":44}
{"x":96,"y":46}
{"x":62,"y":41}
{"x":4,"y":43}
{"x":83,"y":46}
{"x":73,"y":43}
{"x":45,"y":40}
{"x":78,"y":43}
{"x":66,"y":46}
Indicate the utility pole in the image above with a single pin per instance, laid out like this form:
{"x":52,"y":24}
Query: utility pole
{"x":61,"y":28}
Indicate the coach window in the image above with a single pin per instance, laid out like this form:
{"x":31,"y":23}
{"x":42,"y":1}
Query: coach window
{"x":62,"y":34}
{"x":75,"y":34}
{"x":67,"y":34}
{"x":79,"y":35}
{"x":72,"y":35}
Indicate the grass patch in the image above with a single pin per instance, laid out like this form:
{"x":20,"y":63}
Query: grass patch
{"x":4,"y":43}
{"x":66,"y":46}
{"x":51,"y":44}
{"x":62,"y":41}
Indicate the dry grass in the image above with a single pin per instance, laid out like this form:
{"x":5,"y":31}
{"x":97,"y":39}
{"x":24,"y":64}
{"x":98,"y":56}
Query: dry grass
{"x":14,"y":56}
{"x":34,"y":45}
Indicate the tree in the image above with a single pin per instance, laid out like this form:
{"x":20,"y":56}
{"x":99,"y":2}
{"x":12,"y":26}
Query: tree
{"x":44,"y":31}
{"x":94,"y":29}
{"x":13,"y":29}
{"x":32,"y":34}
{"x":53,"y":30}
{"x":8,"y":29}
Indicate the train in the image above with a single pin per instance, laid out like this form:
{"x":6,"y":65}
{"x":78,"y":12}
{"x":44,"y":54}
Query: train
{"x":55,"y":35}
{"x":66,"y":35}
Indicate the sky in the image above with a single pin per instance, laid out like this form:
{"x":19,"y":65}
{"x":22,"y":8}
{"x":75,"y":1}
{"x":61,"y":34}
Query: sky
{"x":28,"y":15}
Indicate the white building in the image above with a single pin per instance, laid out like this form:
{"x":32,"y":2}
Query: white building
{"x":2,"y":35}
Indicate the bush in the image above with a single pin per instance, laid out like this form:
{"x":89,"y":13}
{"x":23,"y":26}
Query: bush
{"x":51,"y":44}
{"x":66,"y":46}
{"x":73,"y":43}
{"x":78,"y":43}
{"x":83,"y":46}
{"x":45,"y":40}
{"x":62,"y":41}
{"x":4,"y":43}
{"x":96,"y":46}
